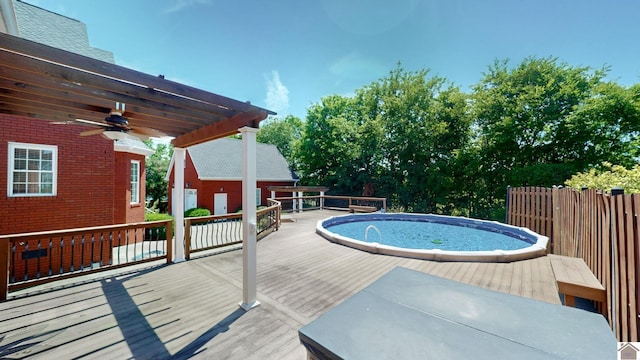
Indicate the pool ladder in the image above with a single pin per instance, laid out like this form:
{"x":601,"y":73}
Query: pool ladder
{"x":366,"y":232}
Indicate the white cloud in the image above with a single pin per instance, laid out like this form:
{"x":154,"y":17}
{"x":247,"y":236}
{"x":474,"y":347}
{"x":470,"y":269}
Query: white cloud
{"x":277,"y":94}
{"x":181,"y":4}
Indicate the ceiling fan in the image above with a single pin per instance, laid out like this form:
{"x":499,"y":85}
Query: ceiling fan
{"x":116,"y":126}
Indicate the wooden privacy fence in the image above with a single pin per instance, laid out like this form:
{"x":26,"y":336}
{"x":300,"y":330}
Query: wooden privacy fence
{"x":600,"y":228}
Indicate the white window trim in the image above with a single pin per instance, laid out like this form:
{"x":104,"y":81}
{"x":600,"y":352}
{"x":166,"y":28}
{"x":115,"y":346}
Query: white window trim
{"x":10,"y":168}
{"x":258,"y":196}
{"x":137,"y":163}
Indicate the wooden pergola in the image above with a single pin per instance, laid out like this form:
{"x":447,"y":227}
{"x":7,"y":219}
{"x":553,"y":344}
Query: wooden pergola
{"x":51,"y":84}
{"x":47,"y":83}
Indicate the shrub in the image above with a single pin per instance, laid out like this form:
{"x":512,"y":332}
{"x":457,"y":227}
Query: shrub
{"x":607,"y":177}
{"x":195,"y":212}
{"x":156,"y":216}
{"x":158,"y":232}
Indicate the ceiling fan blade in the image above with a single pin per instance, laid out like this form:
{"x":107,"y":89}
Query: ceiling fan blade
{"x":148,"y":132}
{"x":92,"y":132}
{"x":96,"y":123}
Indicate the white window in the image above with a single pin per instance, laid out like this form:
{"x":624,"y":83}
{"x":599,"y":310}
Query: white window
{"x":135,"y":182}
{"x":33,"y":170}
{"x":258,"y":196}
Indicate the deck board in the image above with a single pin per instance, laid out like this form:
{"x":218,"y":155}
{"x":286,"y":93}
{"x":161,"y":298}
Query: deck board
{"x":190,"y":309}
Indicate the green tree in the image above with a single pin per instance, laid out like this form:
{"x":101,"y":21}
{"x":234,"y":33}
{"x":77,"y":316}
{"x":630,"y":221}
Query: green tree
{"x":424,"y":124}
{"x":398,"y":138}
{"x":526,"y":132}
{"x":156,"y":169}
{"x":329,"y":148}
{"x":284,"y":134}
{"x":605,"y":127}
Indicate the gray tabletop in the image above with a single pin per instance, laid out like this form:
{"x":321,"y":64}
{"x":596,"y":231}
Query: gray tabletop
{"x":411,"y":315}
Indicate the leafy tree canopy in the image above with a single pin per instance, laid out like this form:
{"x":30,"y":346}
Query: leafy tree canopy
{"x":283,"y":133}
{"x":156,"y":170}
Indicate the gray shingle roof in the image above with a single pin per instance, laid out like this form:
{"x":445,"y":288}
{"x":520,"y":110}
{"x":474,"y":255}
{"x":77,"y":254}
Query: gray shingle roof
{"x":49,"y":28}
{"x":222,"y":160}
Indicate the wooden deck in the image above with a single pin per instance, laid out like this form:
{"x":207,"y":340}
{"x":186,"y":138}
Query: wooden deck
{"x":190,"y":309}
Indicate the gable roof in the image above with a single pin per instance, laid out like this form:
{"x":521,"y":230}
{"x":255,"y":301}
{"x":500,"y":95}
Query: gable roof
{"x":222,"y":160}
{"x":49,"y":28}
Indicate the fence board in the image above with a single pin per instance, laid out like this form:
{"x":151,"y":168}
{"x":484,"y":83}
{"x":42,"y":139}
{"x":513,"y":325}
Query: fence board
{"x":601,"y":229}
{"x":632,"y":225}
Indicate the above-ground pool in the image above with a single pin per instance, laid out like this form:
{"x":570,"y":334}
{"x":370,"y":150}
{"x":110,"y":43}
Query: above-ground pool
{"x":433,"y":237}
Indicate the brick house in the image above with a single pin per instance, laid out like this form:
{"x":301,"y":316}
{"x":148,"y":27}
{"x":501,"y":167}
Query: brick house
{"x":213,"y":175}
{"x":47,"y":84}
{"x":76,"y":181}
{"x":51,"y":178}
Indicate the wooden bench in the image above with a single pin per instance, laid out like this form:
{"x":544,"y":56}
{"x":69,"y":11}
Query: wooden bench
{"x":362,"y":208}
{"x":574,"y":278}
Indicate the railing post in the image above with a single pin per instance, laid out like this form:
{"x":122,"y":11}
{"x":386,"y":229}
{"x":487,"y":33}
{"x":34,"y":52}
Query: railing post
{"x":278,"y":209}
{"x":169,"y":227}
{"x":4,"y":268}
{"x":300,"y":201}
{"x":617,"y":191}
{"x":294,"y":202}
{"x":187,"y":239}
{"x":321,"y":200}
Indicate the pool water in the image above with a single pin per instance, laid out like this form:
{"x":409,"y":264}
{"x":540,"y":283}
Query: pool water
{"x":428,"y":235}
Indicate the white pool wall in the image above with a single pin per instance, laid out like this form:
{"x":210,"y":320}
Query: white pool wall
{"x":530,"y":252}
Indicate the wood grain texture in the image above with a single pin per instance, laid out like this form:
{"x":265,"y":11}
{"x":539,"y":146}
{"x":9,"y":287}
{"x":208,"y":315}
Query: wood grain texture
{"x":190,"y":309}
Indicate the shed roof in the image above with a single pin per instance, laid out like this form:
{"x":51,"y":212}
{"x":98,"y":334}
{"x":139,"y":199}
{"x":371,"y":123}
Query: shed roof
{"x":222,"y":160}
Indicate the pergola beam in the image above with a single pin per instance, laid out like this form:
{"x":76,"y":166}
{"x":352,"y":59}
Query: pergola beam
{"x":221,"y":128}
{"x":87,"y":64}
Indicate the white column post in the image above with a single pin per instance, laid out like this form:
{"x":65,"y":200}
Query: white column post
{"x":294,"y":202}
{"x":321,"y":200}
{"x":249,"y":222}
{"x":178,"y":172}
{"x":300,"y":193}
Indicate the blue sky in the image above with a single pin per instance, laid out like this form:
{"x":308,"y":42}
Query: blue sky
{"x":287,"y":54}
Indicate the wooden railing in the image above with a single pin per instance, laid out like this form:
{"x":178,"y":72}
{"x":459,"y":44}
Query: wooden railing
{"x":31,"y":259}
{"x":204,"y":233}
{"x":602,"y":229}
{"x":330,"y":202}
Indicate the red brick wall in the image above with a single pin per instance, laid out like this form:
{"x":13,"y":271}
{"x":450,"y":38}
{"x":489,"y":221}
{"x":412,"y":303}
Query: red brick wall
{"x":85,"y":191}
{"x":125,"y":211}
